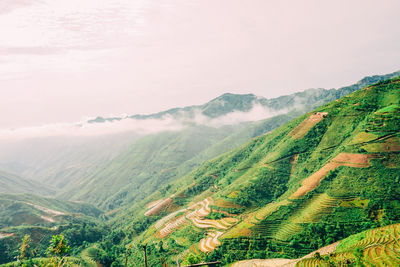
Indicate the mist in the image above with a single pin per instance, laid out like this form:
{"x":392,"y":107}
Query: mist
{"x":124,"y":124}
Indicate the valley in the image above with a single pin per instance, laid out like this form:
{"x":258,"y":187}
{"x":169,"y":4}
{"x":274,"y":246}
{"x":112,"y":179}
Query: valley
{"x":312,"y":184}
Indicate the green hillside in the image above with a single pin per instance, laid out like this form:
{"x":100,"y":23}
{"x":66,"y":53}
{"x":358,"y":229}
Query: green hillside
{"x":156,"y":160}
{"x":149,"y":163}
{"x":375,"y":247}
{"x":322,"y":177}
{"x":299,"y":184}
{"x":41,"y":218}
{"x":60,"y":160}
{"x":13,"y":184}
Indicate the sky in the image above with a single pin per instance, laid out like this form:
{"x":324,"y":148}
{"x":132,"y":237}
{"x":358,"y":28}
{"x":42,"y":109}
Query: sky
{"x":63,"y":60}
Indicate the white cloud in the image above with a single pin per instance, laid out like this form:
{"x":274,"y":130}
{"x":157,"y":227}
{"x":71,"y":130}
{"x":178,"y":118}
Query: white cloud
{"x":146,"y":126}
{"x":92,"y":129}
{"x":258,"y":112}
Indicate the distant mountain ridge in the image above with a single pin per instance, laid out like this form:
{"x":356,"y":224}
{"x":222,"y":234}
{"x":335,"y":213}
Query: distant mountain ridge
{"x":229,"y":102}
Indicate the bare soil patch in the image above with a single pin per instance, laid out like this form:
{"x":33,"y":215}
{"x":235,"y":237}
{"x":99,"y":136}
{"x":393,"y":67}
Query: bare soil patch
{"x":159,"y":207}
{"x":302,"y":129}
{"x":153,"y":203}
{"x":5,"y":235}
{"x":343,"y":159}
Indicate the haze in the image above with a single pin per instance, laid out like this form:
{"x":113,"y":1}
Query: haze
{"x":61,"y":60}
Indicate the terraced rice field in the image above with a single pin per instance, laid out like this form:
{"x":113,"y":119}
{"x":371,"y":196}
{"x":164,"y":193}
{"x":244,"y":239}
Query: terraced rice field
{"x":209,"y":243}
{"x":168,"y":224}
{"x":165,"y":219}
{"x":312,"y":211}
{"x":222,"y":224}
{"x":158,"y":207}
{"x":381,"y":247}
{"x":268,"y":210}
{"x":343,"y":159}
{"x":195,"y":213}
{"x":172,"y":225}
{"x":302,"y":129}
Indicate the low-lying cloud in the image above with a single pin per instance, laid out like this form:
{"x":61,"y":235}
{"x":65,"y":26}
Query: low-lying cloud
{"x":142,"y":127}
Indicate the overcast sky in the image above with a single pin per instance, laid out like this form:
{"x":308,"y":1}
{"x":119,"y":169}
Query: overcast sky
{"x":61,"y":60}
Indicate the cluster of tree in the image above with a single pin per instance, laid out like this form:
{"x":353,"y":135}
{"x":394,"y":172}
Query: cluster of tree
{"x":56,"y":252}
{"x":267,"y":187}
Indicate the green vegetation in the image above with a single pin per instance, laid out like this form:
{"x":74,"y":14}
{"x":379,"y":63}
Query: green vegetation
{"x":298,"y":184}
{"x":33,"y":220}
{"x":325,"y":185}
{"x":13,"y":184}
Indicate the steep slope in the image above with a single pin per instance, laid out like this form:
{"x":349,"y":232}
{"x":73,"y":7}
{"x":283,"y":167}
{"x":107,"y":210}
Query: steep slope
{"x":12,"y":184}
{"x":320,"y":178}
{"x":376,"y":247}
{"x":155,"y":160}
{"x":59,"y":160}
{"x":30,"y":210}
{"x":152,"y":161}
{"x":64,"y":162}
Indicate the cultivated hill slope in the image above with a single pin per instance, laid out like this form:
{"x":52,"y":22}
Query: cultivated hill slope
{"x":149,"y":163}
{"x":13,"y":184}
{"x":375,"y":247}
{"x":326,"y":175}
{"x":156,"y":160}
{"x":41,"y":218}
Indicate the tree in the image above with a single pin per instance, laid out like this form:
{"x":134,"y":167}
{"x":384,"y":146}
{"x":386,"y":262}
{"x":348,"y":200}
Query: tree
{"x":58,"y":249}
{"x":24,"y":249}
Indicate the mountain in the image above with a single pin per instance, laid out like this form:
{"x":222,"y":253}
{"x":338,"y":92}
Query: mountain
{"x":59,"y":160}
{"x":156,"y":160}
{"x":68,"y":163}
{"x":320,"y":178}
{"x":197,"y":193}
{"x":13,"y":184}
{"x":228,"y":103}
